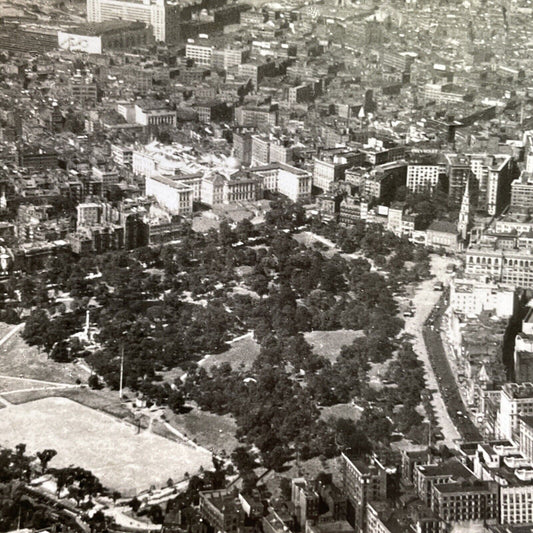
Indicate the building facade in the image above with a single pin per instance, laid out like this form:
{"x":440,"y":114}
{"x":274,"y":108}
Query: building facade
{"x":471,"y":297}
{"x":423,"y":178}
{"x":511,"y":267}
{"x":362,"y":483}
{"x":515,"y":401}
{"x":163,"y":16}
{"x":175,"y":196}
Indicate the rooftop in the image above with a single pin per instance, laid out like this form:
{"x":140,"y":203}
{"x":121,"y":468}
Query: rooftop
{"x":338,"y":526}
{"x":476,"y":486}
{"x":443,"y":226}
{"x":93,"y":29}
{"x":452,"y":468}
{"x":171,"y":183}
{"x":516,"y":391}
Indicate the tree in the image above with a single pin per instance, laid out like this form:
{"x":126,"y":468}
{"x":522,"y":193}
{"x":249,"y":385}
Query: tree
{"x":244,"y":230}
{"x":259,"y":283}
{"x":94,"y":382}
{"x":226,"y":236}
{"x":36,"y":329}
{"x":350,"y":438}
{"x":134,"y":504}
{"x":243,"y":459}
{"x":375,"y":425}
{"x":155,"y":514}
{"x":60,"y":352}
{"x":176,"y":401}
{"x":285,"y":487}
{"x":45,"y":457}
{"x":276,"y":458}
{"x":27,"y":289}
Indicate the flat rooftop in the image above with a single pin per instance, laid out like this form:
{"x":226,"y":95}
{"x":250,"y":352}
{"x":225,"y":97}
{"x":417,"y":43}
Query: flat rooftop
{"x":453,"y":468}
{"x":477,"y":486}
{"x":94,"y":29}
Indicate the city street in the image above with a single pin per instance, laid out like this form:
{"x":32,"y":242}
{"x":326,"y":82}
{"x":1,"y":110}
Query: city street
{"x":424,"y":299}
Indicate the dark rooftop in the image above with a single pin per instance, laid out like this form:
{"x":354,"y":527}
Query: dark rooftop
{"x":94,"y":29}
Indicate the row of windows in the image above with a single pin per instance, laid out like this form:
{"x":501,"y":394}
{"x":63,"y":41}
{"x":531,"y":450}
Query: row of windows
{"x":516,"y":498}
{"x":161,"y":120}
{"x":496,"y":261}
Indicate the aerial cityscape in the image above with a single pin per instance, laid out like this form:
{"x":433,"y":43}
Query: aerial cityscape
{"x":266,"y":266}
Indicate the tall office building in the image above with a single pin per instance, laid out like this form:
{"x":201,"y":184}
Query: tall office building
{"x":459,"y":172}
{"x":164,"y":16}
{"x":362,"y":483}
{"x":423,"y":178}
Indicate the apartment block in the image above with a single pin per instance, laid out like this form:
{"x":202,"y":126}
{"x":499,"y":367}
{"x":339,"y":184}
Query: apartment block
{"x":522,"y":192}
{"x":510,"y":267}
{"x":516,"y":400}
{"x":362,"y":483}
{"x":423,"y":178}
{"x":201,"y":54}
{"x":471,"y":297}
{"x":222,"y":510}
{"x":467,"y":503}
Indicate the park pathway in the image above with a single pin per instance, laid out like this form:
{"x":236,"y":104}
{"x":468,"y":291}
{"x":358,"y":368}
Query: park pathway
{"x":10,"y":334}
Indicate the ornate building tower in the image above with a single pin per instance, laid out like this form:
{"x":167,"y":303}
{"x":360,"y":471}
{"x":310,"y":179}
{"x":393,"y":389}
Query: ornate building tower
{"x":465,"y":221}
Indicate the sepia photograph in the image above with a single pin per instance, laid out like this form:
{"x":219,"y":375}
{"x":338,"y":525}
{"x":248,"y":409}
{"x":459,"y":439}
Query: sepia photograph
{"x":266,"y":266}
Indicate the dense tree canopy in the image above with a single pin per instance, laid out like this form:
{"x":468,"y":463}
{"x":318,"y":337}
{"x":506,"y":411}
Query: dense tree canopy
{"x":168,"y":306}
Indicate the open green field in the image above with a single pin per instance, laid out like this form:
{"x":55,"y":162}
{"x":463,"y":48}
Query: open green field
{"x":103,"y":400}
{"x":341,"y":410}
{"x":202,"y":224}
{"x":111,"y":449}
{"x":242,"y":354}
{"x":329,"y":343}
{"x":19,"y":359}
{"x":214,"y":432}
{"x":5,"y":329}
{"x":12,"y":385}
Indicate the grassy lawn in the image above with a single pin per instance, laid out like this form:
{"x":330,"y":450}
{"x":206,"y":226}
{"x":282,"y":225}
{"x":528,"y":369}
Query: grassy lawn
{"x":102,"y":400}
{"x":329,"y":343}
{"x":113,"y":450}
{"x":310,"y":240}
{"x":203,"y":224}
{"x":170,"y":376}
{"x":19,"y":359}
{"x":244,"y":291}
{"x":5,"y":329}
{"x":11,"y":385}
{"x":214,"y":432}
{"x":341,"y":410}
{"x":241,"y":354}
{"x":33,"y":395}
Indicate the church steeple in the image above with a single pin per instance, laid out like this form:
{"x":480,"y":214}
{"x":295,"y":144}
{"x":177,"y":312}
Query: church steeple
{"x":464,"y":215}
